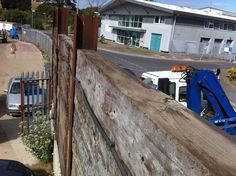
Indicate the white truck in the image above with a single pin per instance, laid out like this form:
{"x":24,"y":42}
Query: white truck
{"x":169,"y":82}
{"x":6,"y":25}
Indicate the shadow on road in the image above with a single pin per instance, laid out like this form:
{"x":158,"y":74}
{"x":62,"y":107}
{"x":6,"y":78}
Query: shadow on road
{"x":9,"y":126}
{"x":9,"y":129}
{"x":2,"y":105}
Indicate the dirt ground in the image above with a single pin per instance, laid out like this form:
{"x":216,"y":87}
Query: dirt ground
{"x":27,"y":58}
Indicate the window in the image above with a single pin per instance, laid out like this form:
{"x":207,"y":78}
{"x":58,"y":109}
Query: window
{"x":218,"y":41}
{"x":208,"y":24}
{"x":183,"y":94}
{"x":15,"y":88}
{"x":231,"y":27}
{"x":221,"y":25}
{"x":157,"y":19}
{"x":163,"y":19}
{"x":205,"y":40}
{"x":149,"y":83}
{"x":130,"y":38}
{"x":228,"y":43}
{"x":216,"y":25}
{"x":211,"y":25}
{"x":130,"y":21}
{"x":225,"y":26}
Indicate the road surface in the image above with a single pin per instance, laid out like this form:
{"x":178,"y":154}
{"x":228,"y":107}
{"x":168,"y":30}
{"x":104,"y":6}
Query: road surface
{"x":138,"y":65}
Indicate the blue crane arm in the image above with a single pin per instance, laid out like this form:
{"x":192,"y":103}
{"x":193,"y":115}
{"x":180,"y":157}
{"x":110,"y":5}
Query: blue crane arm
{"x":206,"y":81}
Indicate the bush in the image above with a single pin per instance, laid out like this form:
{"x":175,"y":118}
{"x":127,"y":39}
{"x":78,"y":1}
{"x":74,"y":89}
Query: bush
{"x":231,"y":74}
{"x":38,"y":138}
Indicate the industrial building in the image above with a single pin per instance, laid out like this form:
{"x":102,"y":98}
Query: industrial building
{"x":169,"y":28}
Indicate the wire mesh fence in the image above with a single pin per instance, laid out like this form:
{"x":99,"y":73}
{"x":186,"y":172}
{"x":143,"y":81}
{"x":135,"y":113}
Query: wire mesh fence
{"x":202,"y":49}
{"x":40,"y":39}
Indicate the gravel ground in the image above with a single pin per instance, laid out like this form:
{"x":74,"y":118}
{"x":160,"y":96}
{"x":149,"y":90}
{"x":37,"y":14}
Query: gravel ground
{"x":26,"y":59}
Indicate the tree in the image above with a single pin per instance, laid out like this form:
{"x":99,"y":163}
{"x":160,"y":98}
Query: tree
{"x":89,"y":10}
{"x":61,"y":3}
{"x":15,"y":15}
{"x":16,"y":4}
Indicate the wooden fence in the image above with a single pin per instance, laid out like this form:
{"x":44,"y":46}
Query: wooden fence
{"x":107,"y":123}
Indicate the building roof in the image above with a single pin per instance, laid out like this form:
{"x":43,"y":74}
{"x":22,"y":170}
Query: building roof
{"x":175,"y":9}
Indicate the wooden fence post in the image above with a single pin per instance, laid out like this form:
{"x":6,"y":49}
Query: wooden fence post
{"x":85,"y":37}
{"x":60,"y":26}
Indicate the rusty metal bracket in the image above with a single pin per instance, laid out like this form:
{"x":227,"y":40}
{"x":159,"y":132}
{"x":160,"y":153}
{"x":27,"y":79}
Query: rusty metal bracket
{"x":87,"y":32}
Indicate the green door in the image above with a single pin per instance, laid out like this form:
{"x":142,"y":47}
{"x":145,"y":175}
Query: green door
{"x":155,"y":42}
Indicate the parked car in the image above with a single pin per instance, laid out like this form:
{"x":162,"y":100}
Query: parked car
{"x":13,"y":100}
{"x":14,"y":168}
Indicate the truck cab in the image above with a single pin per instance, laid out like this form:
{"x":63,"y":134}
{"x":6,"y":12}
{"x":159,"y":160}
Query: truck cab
{"x":169,"y":82}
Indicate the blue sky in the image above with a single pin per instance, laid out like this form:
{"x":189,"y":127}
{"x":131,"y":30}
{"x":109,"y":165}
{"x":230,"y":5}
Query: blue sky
{"x":229,"y":5}
{"x":221,"y":4}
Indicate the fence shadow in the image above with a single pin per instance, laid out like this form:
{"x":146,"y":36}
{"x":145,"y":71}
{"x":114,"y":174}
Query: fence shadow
{"x":9,"y":126}
{"x":2,"y":104}
{"x":9,"y":129}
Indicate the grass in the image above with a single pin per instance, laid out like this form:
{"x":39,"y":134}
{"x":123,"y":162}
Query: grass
{"x":124,"y":48}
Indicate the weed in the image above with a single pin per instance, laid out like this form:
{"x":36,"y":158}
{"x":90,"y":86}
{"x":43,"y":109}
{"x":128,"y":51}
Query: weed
{"x":38,"y":138}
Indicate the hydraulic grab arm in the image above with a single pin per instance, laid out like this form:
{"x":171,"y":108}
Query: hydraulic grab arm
{"x":206,"y":81}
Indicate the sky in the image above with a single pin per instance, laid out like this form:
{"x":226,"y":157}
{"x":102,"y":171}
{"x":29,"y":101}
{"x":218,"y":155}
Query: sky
{"x":229,"y":5}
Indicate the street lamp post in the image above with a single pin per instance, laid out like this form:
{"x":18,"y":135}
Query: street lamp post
{"x":77,"y":6}
{"x":32,"y":18}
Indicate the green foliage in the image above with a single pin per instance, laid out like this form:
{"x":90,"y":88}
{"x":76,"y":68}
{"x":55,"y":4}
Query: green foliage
{"x":45,"y":9}
{"x":231,"y":74}
{"x":16,"y":4}
{"x":89,"y":10}
{"x":61,"y":3}
{"x":42,"y":18}
{"x":16,"y":15}
{"x":71,"y":20}
{"x":38,"y":138}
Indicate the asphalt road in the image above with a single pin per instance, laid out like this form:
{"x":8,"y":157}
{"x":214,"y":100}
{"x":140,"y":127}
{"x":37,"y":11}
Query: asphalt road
{"x":139,"y":64}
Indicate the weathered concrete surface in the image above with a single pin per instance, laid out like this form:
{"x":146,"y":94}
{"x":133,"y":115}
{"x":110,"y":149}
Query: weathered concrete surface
{"x":153,"y":134}
{"x":27,"y":58}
